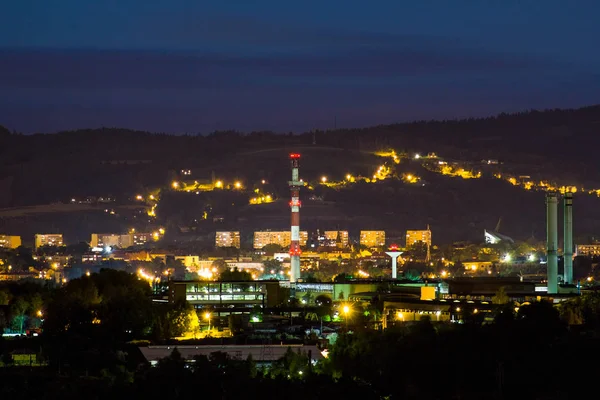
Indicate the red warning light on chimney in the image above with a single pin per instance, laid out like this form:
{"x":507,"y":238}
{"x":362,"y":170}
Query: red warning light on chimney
{"x":393,"y":247}
{"x":294,"y":155}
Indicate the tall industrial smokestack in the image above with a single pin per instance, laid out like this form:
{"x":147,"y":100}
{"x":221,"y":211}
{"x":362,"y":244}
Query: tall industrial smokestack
{"x":295,"y":185}
{"x":568,"y":237}
{"x":552,"y":241}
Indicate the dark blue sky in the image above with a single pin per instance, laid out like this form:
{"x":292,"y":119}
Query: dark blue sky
{"x":195,"y":66}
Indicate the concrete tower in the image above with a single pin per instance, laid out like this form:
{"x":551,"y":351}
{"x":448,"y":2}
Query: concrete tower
{"x":568,"y":237}
{"x":295,"y":185}
{"x":552,"y":241}
{"x":394,"y":253}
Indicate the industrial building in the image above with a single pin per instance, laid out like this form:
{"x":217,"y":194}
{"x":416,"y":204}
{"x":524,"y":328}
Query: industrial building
{"x":224,"y":298}
{"x":264,"y":354}
{"x":493,"y":237}
{"x":414,"y":237}
{"x":281,"y":238}
{"x":48,"y":239}
{"x":372,"y":238}
{"x":10,"y":242}
{"x":227,"y":239}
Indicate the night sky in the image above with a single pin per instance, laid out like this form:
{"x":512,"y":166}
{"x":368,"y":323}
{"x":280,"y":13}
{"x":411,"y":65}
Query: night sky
{"x":197,"y":66}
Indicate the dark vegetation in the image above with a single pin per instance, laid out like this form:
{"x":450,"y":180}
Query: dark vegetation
{"x":42,"y":168}
{"x":537,"y":351}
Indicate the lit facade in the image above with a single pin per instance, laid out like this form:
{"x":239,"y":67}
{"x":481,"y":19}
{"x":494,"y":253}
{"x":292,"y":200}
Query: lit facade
{"x":10,"y":242}
{"x":48,"y":239}
{"x":587,"y":249}
{"x":372,"y":238}
{"x":413,"y":237}
{"x":227,"y":239}
{"x":335,"y":238}
{"x":282,"y":238}
{"x":222,"y":297}
{"x":140,"y":239}
{"x":112,"y":240}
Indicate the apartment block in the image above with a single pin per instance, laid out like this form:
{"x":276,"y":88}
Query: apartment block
{"x":282,"y":238}
{"x":48,"y":239}
{"x":372,"y":238}
{"x":227,"y":239}
{"x":10,"y":242}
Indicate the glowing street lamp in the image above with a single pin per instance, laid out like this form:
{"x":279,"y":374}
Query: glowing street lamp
{"x":346,"y":311}
{"x":175,"y":185}
{"x":238,"y":185}
{"x":219,"y":184}
{"x":323,"y":179}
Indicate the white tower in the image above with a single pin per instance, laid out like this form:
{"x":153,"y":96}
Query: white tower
{"x":394,"y":253}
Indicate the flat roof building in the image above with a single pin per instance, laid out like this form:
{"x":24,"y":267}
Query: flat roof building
{"x":225,"y":298}
{"x":227,"y":239}
{"x":334,"y":239}
{"x":48,"y":239}
{"x":262,"y":354}
{"x":414,"y":237}
{"x":112,"y":240}
{"x":587,"y":249}
{"x":372,"y":238}
{"x":9,"y":241}
{"x":282,"y":238}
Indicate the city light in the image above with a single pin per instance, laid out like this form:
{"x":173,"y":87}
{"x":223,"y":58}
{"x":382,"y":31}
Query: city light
{"x":238,"y":185}
{"x":175,"y":185}
{"x":139,"y":197}
{"x":323,"y":179}
{"x":219,"y":184}
{"x":161,"y":231}
{"x":506,"y":258}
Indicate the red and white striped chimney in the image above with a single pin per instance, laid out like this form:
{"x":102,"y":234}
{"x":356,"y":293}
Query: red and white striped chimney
{"x":295,"y":185}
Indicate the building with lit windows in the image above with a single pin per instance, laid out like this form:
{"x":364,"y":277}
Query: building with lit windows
{"x":282,"y":238}
{"x":587,"y":249}
{"x":225,"y":298}
{"x":140,"y":239}
{"x":10,"y":242}
{"x":334,"y":239}
{"x":48,"y":239}
{"x":414,"y":237}
{"x":372,"y":238}
{"x":227,"y":239}
{"x":111,"y":240}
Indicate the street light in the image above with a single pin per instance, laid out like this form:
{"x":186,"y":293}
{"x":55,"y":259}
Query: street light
{"x":346,"y":311}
